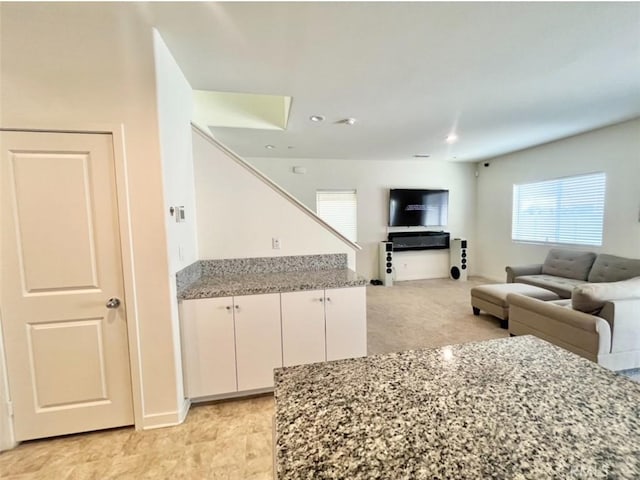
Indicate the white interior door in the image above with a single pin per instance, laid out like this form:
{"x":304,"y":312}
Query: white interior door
{"x":67,"y":352}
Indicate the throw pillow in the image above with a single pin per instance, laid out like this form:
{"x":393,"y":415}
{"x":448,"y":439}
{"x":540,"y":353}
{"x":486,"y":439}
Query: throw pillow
{"x":591,"y":297}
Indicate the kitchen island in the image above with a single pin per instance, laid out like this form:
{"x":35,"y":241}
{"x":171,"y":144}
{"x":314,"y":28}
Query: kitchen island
{"x":516,"y":408}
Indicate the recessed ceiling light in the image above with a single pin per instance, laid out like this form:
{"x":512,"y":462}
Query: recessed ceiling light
{"x":348,"y":121}
{"x":421,"y":155}
{"x":269,"y":147}
{"x":451,"y":138}
{"x":316,"y":118}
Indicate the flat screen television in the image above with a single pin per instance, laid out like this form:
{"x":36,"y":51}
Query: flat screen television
{"x":418,"y":207}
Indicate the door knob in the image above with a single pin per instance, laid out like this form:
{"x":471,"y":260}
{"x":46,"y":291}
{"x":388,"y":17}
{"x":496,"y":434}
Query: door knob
{"x":113,"y":302}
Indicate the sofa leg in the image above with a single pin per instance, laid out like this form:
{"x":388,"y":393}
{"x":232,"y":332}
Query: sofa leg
{"x":476,"y":311}
{"x":504,"y":324}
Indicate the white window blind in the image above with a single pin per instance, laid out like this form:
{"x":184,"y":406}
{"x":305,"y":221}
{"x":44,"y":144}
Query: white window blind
{"x":339,"y":209}
{"x":566,"y":210}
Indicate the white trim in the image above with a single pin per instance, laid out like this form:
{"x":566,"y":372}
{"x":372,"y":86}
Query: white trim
{"x":184,"y":410}
{"x":116,"y":130}
{"x":240,"y":161}
{"x":128,"y":272}
{"x":7,"y":437}
{"x":165,"y":419}
{"x":230,"y":395}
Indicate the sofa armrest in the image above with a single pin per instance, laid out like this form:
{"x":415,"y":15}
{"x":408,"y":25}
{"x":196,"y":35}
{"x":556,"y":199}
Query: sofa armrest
{"x":624,"y":318}
{"x":513,"y":272}
{"x":566,"y":315}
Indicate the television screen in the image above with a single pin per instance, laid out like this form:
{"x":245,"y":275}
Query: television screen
{"x":414,"y":207}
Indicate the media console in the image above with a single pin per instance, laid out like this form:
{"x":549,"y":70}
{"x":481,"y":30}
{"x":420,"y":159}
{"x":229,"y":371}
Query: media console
{"x":405,"y":241}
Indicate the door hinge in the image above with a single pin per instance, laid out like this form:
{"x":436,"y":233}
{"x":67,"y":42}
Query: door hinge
{"x":10,"y":408}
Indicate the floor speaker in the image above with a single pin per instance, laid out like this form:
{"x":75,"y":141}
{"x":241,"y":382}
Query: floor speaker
{"x":386,"y":263}
{"x":459,"y":260}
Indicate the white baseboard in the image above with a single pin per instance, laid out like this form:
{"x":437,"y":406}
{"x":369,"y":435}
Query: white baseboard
{"x":167,"y":419}
{"x":184,"y":410}
{"x":231,"y":395}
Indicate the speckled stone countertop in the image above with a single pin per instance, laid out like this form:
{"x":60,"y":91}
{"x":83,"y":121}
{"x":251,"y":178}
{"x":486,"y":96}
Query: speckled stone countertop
{"x":516,"y":408}
{"x":256,"y":283}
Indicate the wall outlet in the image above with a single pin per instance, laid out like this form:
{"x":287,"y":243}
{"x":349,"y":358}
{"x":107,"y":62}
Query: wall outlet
{"x":275,"y":243}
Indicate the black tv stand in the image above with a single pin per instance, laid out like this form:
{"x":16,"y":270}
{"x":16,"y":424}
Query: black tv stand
{"x":405,"y":241}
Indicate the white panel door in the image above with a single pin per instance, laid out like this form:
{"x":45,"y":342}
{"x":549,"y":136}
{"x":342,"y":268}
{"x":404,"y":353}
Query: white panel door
{"x":346,"y":322}
{"x":303,"y":336}
{"x":208,"y":346}
{"x":258,"y":340}
{"x":67,"y":353}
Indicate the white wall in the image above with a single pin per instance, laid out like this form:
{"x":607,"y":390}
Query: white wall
{"x":175,"y":109}
{"x":614,"y":150}
{"x":372,"y":180}
{"x":239,"y":214}
{"x":70,"y":64}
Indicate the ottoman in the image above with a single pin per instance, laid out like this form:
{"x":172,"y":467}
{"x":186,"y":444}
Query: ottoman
{"x":493,"y":298}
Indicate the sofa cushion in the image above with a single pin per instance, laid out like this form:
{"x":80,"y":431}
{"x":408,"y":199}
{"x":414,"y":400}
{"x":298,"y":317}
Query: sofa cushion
{"x":591,"y":297}
{"x":568,"y":263}
{"x":609,"y":268}
{"x":560,"y":285}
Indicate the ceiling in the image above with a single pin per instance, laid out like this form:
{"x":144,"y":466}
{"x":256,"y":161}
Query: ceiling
{"x":502,"y":76}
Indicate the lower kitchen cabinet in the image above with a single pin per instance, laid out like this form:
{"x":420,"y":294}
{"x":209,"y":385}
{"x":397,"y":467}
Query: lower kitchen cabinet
{"x":258,"y":340}
{"x":230,"y":344}
{"x":208,"y":346}
{"x":303,"y":329}
{"x":346,"y":322}
{"x":321,"y":325}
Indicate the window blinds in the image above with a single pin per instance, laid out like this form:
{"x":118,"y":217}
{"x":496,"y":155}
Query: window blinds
{"x":566,"y":210}
{"x":338,"y":208}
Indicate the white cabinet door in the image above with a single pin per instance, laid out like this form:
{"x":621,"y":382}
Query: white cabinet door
{"x":258,"y":339}
{"x":303,"y":338}
{"x":346,"y":322}
{"x":208,"y":345}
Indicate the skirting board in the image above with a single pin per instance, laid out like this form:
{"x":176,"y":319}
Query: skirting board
{"x":167,"y":419}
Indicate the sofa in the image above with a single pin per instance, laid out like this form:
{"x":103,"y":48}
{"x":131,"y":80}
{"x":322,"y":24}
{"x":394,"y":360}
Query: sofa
{"x":565,"y":269}
{"x":599,"y":315}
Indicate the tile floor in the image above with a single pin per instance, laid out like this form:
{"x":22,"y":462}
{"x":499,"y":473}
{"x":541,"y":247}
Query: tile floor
{"x":230,"y":440}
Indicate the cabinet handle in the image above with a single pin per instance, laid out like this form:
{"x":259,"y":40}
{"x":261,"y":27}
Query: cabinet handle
{"x":321,"y":300}
{"x":328,"y":299}
{"x":228,"y":307}
{"x":237,"y":307}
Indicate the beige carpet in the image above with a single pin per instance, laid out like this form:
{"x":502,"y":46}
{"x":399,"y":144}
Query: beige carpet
{"x":425,"y":313}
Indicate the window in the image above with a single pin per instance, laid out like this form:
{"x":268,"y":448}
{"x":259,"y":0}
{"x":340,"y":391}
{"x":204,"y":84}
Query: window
{"x":338,"y":209}
{"x":566,"y":210}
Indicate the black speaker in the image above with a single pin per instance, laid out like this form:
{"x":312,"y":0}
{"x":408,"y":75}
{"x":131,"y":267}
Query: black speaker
{"x":386,"y":263}
{"x":459,"y":259}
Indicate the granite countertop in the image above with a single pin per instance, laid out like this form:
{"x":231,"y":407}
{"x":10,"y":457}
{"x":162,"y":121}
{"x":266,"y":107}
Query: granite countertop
{"x":256,"y":283}
{"x":515,"y":408}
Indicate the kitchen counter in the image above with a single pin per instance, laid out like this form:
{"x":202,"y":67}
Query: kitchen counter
{"x":516,"y":408}
{"x":256,"y":283}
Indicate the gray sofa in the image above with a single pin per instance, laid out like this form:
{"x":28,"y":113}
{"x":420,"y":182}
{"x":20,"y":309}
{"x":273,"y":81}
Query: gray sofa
{"x":564,"y":269}
{"x":600,"y":316}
